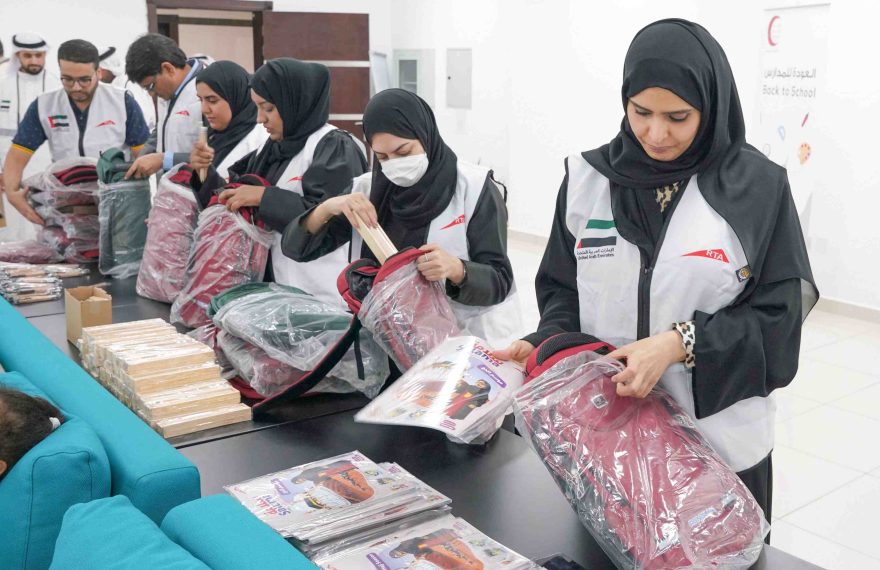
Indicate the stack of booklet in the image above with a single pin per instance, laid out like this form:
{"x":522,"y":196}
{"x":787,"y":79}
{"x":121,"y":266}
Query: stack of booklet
{"x":345,"y":510}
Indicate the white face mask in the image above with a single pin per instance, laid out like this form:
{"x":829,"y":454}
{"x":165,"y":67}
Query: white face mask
{"x":406,"y":170}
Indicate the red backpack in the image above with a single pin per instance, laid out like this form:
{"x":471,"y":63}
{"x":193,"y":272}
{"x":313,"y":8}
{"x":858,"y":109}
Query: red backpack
{"x":643,"y":480}
{"x":407,"y":314}
{"x":170,"y":230}
{"x":228,"y":249}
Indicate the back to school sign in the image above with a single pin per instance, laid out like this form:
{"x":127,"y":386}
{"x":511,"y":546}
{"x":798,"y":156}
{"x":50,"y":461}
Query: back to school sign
{"x":794,"y":43}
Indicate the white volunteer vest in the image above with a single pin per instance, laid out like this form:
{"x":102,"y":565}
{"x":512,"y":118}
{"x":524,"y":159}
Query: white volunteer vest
{"x":178,"y":125}
{"x":141,"y":97}
{"x":695,"y":270}
{"x":254,"y":140}
{"x":498,"y":324}
{"x":105,"y":124}
{"x":17,"y":91}
{"x":317,"y":277}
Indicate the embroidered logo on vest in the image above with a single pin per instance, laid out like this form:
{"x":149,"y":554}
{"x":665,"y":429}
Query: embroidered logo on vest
{"x":295,"y":179}
{"x":106,"y":123}
{"x":58,"y":121}
{"x":743,"y":273}
{"x":716,"y":254}
{"x":456,"y":222}
{"x":597,"y":246}
{"x":185,"y":113}
{"x":5,"y":104}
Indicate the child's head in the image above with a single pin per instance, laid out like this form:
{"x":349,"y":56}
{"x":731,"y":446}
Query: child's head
{"x":24,"y":422}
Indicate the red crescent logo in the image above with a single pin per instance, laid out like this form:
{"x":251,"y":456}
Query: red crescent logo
{"x":770,"y":30}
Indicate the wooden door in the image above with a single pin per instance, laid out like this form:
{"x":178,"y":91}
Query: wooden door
{"x":339,"y":41}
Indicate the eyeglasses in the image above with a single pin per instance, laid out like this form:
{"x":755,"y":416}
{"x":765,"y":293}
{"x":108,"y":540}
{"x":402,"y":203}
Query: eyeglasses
{"x":83,"y":81}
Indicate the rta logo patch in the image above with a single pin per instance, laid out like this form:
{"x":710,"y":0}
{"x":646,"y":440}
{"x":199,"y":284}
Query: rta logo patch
{"x":106,"y":123}
{"x":456,"y":222}
{"x":185,"y":113}
{"x":716,"y":254}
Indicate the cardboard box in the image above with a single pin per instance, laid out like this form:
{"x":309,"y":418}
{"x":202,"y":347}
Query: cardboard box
{"x":86,"y":307}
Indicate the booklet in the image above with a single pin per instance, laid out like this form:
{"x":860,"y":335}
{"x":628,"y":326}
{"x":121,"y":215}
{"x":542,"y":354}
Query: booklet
{"x":440,"y":543}
{"x":458,"y":388}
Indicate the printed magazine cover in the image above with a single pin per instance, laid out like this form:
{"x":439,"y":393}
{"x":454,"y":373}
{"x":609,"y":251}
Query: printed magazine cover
{"x":459,"y":388}
{"x":299,"y":501}
{"x":443,"y":543}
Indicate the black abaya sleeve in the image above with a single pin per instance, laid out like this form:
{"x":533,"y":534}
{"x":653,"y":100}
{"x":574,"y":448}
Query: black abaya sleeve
{"x":748,"y":349}
{"x":489,"y":273}
{"x":336,"y":161}
{"x":556,"y":282}
{"x":298,"y":244}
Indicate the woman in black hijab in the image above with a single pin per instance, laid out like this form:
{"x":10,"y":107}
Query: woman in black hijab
{"x":423,"y":196}
{"x":679,"y":243}
{"x":293,"y":104}
{"x":233,"y":132}
{"x":304,"y":161}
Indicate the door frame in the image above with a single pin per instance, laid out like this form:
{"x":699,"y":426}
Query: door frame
{"x":256,"y":8}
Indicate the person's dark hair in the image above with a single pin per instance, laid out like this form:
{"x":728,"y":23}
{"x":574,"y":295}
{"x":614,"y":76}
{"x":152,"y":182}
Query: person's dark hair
{"x":147,"y":54}
{"x":2,"y":53}
{"x":24,"y":422}
{"x":79,"y":51}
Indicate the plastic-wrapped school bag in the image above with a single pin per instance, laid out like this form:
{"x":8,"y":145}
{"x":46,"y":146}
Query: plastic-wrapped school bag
{"x":123,"y":208}
{"x":407,"y":314}
{"x":285,"y":334}
{"x":30,"y":251}
{"x":229,"y":249}
{"x":69,"y":182}
{"x":643,"y":480}
{"x":170,"y":230}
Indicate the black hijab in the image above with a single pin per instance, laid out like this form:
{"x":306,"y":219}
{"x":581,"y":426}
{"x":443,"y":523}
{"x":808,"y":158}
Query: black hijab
{"x":406,"y":213}
{"x":748,"y":190}
{"x":301,"y":93}
{"x":231,"y":82}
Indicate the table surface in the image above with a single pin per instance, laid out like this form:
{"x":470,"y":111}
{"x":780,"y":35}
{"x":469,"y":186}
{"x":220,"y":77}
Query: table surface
{"x":501,"y":488}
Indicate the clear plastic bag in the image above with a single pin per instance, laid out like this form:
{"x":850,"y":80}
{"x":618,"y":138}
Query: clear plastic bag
{"x":81,"y":226}
{"x":296,"y":329}
{"x":171,"y":226}
{"x":227,"y":251}
{"x":31,"y":251}
{"x":81,"y":252}
{"x":643,"y":480}
{"x":123,"y":209}
{"x":408,"y":315}
{"x":69,"y":182}
{"x":458,"y":388}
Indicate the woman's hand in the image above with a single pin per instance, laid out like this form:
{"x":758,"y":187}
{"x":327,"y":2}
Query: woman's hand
{"x":356,"y":208}
{"x":646,"y":361}
{"x":436,"y":265}
{"x":518,"y":351}
{"x":245,"y":195}
{"x":202,"y":156}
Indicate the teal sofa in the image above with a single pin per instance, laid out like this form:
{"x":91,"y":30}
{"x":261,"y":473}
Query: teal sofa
{"x":144,"y":467}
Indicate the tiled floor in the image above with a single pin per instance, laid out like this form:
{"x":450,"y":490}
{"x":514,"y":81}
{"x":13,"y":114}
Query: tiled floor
{"x":827,"y":458}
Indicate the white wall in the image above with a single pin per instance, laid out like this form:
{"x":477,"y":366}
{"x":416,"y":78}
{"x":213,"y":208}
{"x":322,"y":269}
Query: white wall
{"x":547,"y":84}
{"x":102,"y":22}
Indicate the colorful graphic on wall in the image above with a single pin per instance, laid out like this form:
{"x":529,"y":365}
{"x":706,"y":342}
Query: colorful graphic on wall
{"x":793,"y":64}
